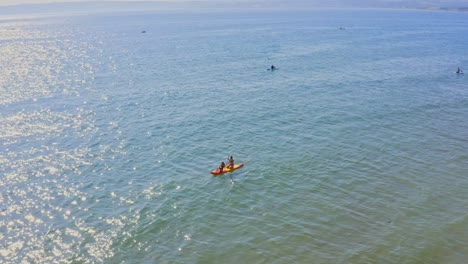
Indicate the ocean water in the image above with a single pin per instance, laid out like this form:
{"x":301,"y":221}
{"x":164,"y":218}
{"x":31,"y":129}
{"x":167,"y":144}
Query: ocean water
{"x":355,"y":150}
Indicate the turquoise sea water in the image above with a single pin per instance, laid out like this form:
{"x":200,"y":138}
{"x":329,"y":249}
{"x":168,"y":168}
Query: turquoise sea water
{"x":355,"y":150}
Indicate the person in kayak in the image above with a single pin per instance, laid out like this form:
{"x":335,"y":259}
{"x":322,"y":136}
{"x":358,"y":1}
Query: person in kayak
{"x":230,"y":163}
{"x":221,"y":166}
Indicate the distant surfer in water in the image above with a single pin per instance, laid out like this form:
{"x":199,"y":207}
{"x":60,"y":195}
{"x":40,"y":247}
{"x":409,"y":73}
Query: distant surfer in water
{"x":459,"y":71}
{"x":272,"y":67}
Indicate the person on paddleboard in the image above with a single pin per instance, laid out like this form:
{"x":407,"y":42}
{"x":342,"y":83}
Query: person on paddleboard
{"x":221,"y":166}
{"x":230,"y":163}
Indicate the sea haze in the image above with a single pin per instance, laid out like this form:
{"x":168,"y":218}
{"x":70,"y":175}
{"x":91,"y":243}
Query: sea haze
{"x":354,"y":149}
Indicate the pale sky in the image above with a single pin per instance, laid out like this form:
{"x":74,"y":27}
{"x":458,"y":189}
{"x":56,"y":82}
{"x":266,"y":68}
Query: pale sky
{"x":346,"y":3}
{"x":18,"y":2}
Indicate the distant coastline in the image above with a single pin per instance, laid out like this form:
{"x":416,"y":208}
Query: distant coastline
{"x":459,"y":9}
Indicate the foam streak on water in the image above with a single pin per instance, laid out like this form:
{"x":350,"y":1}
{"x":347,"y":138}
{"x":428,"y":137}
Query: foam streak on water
{"x":354,"y":150}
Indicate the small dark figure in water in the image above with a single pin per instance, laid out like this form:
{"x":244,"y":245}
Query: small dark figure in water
{"x":273,"y":67}
{"x":144,"y":31}
{"x":459,"y":71}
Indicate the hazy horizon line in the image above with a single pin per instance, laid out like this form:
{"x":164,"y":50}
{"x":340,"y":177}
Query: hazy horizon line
{"x":191,"y":5}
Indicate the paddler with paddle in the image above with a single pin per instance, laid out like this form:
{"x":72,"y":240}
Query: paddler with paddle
{"x":230,"y":164}
{"x":221,"y":166}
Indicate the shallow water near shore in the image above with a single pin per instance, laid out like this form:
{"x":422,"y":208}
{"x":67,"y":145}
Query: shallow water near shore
{"x":354,"y":149}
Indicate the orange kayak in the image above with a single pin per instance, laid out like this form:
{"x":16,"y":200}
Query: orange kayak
{"x":236,"y":166}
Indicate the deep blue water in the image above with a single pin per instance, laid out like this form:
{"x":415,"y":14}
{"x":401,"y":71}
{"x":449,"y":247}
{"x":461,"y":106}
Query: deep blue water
{"x":354,"y":150}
